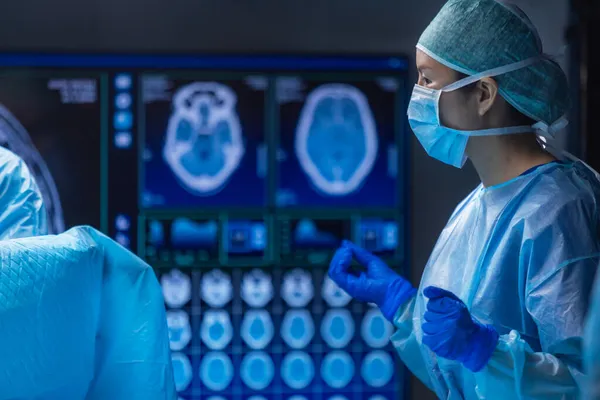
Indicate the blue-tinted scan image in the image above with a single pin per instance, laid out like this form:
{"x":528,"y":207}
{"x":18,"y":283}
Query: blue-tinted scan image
{"x":337,"y":143}
{"x":257,"y":329}
{"x":317,"y":234}
{"x":297,"y":370}
{"x":377,"y":235}
{"x":337,"y":369}
{"x":204,"y":142}
{"x":216,"y":371}
{"x":216,"y":329}
{"x":245,"y":238}
{"x":183,"y":241}
{"x":257,"y":370}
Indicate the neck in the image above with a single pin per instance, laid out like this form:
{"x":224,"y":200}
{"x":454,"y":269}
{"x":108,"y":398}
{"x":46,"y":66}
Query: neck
{"x":499,"y":162}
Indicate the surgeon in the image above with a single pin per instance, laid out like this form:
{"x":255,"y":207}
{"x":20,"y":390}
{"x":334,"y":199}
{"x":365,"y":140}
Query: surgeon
{"x":80,"y":318}
{"x":499,"y":312}
{"x":592,"y":347}
{"x":22,"y":210}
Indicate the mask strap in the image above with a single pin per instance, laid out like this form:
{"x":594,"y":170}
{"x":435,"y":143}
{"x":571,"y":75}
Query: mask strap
{"x":549,"y":131}
{"x":491,"y":72}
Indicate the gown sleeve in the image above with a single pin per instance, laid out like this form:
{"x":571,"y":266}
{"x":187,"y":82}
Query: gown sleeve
{"x":406,"y":344}
{"x":80,"y":318}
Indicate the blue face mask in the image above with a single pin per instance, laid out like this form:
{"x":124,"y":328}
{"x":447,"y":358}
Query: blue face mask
{"x":449,"y":145}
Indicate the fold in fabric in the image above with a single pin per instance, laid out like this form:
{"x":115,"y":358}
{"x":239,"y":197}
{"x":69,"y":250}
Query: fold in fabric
{"x":80,"y":318}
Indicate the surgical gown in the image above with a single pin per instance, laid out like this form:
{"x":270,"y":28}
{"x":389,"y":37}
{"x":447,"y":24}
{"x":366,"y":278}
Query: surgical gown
{"x":22,"y":211}
{"x":80,"y":318}
{"x":592,"y":347}
{"x":522,"y":256}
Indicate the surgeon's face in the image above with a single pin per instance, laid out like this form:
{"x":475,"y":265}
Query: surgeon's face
{"x":459,"y":109}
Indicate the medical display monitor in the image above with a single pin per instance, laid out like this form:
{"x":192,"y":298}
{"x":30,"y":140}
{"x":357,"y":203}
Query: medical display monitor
{"x":235,"y":178}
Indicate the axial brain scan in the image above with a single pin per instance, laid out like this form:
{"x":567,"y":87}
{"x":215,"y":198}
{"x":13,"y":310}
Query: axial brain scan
{"x":15,"y":137}
{"x":204,"y":144}
{"x":336,"y":139}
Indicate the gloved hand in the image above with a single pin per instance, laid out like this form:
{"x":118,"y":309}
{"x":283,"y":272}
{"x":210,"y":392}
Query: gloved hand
{"x":452,"y":333}
{"x":378,"y":284}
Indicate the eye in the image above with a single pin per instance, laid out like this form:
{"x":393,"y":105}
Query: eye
{"x":427,"y":81}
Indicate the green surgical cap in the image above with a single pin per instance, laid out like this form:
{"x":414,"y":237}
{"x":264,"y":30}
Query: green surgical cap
{"x":473,"y":36}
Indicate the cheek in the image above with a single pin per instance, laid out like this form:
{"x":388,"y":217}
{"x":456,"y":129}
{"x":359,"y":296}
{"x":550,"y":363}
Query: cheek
{"x":456,"y":112}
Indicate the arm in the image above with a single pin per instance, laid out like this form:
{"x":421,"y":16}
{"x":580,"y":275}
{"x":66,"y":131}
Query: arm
{"x":406,"y":344}
{"x":81,"y":317}
{"x":22,"y":213}
{"x":133,"y":358}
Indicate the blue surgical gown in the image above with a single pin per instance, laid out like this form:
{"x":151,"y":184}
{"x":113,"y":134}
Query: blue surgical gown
{"x":522,"y":256}
{"x":592,"y":347}
{"x":22,"y":211}
{"x":80,"y":318}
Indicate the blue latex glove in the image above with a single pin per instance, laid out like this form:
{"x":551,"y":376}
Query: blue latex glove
{"x":451,"y":332}
{"x":377,"y":284}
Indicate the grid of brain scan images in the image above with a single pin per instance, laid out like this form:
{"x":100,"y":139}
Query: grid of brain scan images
{"x":236,"y":185}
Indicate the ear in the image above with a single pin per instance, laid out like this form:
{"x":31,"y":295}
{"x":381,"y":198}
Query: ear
{"x":487,"y":91}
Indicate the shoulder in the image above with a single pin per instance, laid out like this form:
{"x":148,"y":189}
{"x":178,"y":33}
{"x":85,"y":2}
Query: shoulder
{"x":566,"y":198}
{"x":561,"y":232}
{"x":13,"y":170}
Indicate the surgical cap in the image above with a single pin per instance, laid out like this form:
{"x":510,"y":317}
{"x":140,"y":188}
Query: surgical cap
{"x":473,"y":36}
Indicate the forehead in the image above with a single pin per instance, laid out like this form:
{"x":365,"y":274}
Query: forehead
{"x":426,"y":63}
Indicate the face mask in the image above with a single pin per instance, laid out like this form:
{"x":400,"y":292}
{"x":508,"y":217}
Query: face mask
{"x":449,"y":145}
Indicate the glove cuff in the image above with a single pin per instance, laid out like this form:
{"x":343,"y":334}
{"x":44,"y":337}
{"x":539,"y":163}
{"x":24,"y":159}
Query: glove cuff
{"x":485,"y":339}
{"x":398,"y":292}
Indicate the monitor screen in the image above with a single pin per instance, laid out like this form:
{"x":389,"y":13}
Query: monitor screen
{"x":235,"y":178}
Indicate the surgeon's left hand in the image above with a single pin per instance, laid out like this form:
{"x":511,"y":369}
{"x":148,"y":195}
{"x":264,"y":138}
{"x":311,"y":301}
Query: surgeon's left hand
{"x":451,"y":332}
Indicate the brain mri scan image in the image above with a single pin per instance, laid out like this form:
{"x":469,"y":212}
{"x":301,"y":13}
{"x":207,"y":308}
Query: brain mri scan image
{"x":337,"y":369}
{"x":176,"y":288}
{"x":297,"y":289}
{"x":182,"y":371}
{"x":297,"y":328}
{"x":257,"y":288}
{"x":15,"y":137}
{"x":297,"y":370}
{"x":180,"y":331}
{"x":375,"y":329}
{"x":204,"y":144}
{"x":337,"y":328}
{"x":336,"y":139}
{"x":377,"y":368}
{"x":216,"y":288}
{"x":216,"y":371}
{"x":257,"y":329}
{"x":333,"y":294}
{"x":257,"y":370}
{"x":216,"y":330}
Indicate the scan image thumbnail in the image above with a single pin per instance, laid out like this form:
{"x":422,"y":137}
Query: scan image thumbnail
{"x":336,"y":139}
{"x":204,"y":144}
{"x":15,"y":137}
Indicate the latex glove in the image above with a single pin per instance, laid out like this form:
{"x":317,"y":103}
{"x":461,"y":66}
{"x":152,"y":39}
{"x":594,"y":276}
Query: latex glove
{"x":451,"y":332}
{"x":377,"y":284}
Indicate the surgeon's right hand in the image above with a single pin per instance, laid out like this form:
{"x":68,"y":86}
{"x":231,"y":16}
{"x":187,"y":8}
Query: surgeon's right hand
{"x":377,"y":284}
